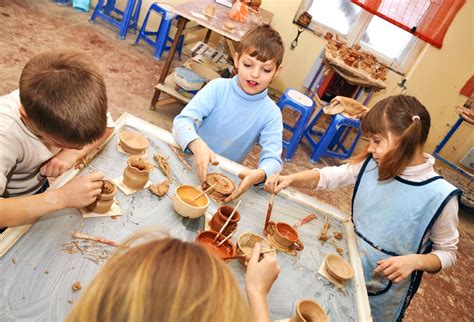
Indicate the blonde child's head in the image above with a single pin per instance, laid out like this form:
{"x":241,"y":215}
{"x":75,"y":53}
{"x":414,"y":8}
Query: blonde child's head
{"x":258,"y":58}
{"x":162,"y":280}
{"x":397,"y":128}
{"x":63,"y":97}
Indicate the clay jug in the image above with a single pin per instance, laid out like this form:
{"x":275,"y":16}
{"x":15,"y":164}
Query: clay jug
{"x":137,"y":172}
{"x":106,"y":198}
{"x":221,"y":216}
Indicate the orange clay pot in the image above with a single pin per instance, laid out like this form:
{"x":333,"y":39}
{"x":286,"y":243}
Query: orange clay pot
{"x":221,"y":216}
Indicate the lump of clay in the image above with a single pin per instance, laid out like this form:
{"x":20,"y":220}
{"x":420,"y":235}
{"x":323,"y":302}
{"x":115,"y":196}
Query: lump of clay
{"x":160,"y":189}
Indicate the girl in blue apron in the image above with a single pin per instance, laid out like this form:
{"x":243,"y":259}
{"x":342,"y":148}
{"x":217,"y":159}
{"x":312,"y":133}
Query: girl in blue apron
{"x":404,"y":214}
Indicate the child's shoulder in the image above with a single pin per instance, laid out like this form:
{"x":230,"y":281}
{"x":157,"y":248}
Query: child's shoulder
{"x":9,"y":109}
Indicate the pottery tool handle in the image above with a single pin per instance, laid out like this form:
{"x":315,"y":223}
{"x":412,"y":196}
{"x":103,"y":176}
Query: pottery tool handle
{"x":269,"y":212}
{"x":79,"y":235}
{"x":227,"y":221}
{"x":202,"y":193}
{"x":223,"y":241}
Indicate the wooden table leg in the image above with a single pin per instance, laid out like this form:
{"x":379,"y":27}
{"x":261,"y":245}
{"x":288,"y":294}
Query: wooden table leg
{"x":208,"y":35}
{"x":169,"y":59}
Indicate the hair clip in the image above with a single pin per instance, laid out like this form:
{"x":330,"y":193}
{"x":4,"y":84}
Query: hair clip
{"x":415,"y":117}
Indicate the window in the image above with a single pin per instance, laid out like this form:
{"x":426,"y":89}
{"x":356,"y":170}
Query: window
{"x":392,"y":45}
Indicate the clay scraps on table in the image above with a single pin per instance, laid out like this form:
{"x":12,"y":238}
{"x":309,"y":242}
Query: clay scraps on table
{"x":327,"y":223}
{"x":160,"y":189}
{"x":91,"y":250}
{"x":163,"y":165}
{"x":337,"y":235}
{"x":76,"y":286}
{"x":305,"y":220}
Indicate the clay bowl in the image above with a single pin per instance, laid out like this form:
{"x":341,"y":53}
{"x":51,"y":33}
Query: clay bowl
{"x":204,"y":71}
{"x":133,"y":142}
{"x":338,"y":268}
{"x":183,"y":194}
{"x":309,"y":310}
{"x":247,"y":241}
{"x":224,"y":186}
{"x":206,"y":238}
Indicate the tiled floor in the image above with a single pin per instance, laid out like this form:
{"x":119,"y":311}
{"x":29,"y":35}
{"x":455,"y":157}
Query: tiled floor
{"x":30,"y":27}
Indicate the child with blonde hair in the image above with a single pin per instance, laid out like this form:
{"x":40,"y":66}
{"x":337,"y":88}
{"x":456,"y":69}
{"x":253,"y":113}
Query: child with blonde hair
{"x":404,"y":214}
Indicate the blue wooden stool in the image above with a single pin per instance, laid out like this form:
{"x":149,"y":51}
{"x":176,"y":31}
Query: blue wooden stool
{"x":129,"y":17}
{"x":160,"y":43}
{"x":333,"y":139}
{"x":301,"y":103}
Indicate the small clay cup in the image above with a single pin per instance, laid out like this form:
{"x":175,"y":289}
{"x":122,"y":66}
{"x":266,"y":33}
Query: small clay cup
{"x":137,"y":172}
{"x":183,"y":194}
{"x":338,"y":268}
{"x":309,"y":311}
{"x":105,"y":199}
{"x":226,"y":250}
{"x":221,"y":216}
{"x":133,"y":142}
{"x":284,"y":235}
{"x":246,"y":243}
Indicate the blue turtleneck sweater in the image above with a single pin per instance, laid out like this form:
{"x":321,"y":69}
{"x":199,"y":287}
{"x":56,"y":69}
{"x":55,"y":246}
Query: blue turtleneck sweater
{"x":230,"y":121}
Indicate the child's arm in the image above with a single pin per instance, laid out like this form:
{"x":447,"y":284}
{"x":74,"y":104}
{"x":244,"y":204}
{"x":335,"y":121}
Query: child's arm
{"x":77,"y":193}
{"x":188,"y":122}
{"x":259,"y":279}
{"x":398,"y":268}
{"x":305,"y":179}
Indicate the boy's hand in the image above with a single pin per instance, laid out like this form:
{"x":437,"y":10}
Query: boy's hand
{"x":60,"y":163}
{"x":261,"y":274}
{"x":249,"y":178}
{"x":276,"y":183}
{"x":81,"y":191}
{"x":203,"y":155}
{"x":397,"y":268}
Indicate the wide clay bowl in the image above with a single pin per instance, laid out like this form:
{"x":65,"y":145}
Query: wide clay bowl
{"x":246,"y":243}
{"x":182,"y":197}
{"x":338,"y":268}
{"x":206,"y":238}
{"x":223,"y":185}
{"x":133,"y":142}
{"x":309,"y":310}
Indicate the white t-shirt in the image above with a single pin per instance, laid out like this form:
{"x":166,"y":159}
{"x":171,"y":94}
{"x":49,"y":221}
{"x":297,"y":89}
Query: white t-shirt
{"x":444,"y":234}
{"x":22,"y":153}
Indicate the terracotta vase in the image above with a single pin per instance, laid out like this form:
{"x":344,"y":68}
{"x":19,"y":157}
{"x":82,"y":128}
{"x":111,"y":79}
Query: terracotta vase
{"x":221,"y":216}
{"x":106,"y":198}
{"x":285,"y":235}
{"x":137,"y":172}
{"x":309,"y":311}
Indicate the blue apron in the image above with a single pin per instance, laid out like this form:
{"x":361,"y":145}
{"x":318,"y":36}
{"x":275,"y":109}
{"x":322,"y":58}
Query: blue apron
{"x":391,"y":218}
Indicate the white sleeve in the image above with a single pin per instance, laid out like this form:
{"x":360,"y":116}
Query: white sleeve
{"x":110,"y":121}
{"x":445,"y":235}
{"x":340,"y":176}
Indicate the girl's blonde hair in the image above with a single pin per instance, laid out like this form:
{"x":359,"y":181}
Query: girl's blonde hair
{"x":406,"y":118}
{"x":162,"y":280}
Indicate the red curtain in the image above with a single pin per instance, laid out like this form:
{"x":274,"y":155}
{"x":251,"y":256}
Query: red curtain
{"x":427,"y":20}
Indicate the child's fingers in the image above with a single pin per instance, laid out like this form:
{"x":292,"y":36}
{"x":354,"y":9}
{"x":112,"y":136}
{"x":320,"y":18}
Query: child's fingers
{"x":382,"y":265}
{"x":394,"y":275}
{"x":255,"y":253}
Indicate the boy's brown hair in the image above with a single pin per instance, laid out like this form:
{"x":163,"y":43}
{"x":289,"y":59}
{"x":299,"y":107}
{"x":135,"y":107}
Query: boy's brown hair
{"x":264,"y":43}
{"x":63,"y":93}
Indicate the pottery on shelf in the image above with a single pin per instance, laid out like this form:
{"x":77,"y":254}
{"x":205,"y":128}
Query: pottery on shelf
{"x":284,"y":235}
{"x":105,"y":199}
{"x":309,"y":310}
{"x":246,"y":243}
{"x":133,"y":142}
{"x":182,"y":197}
{"x":137,"y":172}
{"x":223,"y":186}
{"x":220,"y":218}
{"x":338,"y":268}
{"x":226,"y":250}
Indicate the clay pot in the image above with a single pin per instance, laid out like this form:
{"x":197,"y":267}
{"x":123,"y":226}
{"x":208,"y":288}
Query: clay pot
{"x":183,"y":194}
{"x":221,"y":216}
{"x":224,"y":186}
{"x":247,"y":241}
{"x":206,"y":238}
{"x":105,"y":199}
{"x":284,"y":235}
{"x":133,"y":142}
{"x":309,"y":311}
{"x":137,"y":172}
{"x":338,"y":268}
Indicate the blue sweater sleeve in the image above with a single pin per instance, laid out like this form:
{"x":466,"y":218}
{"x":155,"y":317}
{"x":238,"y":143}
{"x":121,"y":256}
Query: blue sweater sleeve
{"x":271,"y":142}
{"x":188,"y":122}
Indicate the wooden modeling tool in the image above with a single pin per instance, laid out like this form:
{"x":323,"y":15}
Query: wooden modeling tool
{"x":243,"y":256}
{"x":224,"y":240}
{"x":270,"y":207}
{"x":180,"y":157}
{"x":78,"y":235}
{"x":205,"y":191}
{"x":227,"y":222}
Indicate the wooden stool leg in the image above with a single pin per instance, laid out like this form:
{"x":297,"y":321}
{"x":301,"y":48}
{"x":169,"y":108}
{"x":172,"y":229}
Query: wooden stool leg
{"x":155,"y":98}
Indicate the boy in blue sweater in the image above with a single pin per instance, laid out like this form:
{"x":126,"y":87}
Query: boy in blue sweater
{"x":228,"y":116}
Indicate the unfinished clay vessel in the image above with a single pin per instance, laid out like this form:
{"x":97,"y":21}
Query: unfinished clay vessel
{"x":137,"y":172}
{"x":183,"y":195}
{"x":160,"y":189}
{"x":133,"y":142}
{"x":246,"y":243}
{"x":223,"y":186}
{"x":338,"y":268}
{"x":206,"y":238}
{"x":309,"y":311}
{"x":284,"y":235}
{"x":221,"y":216}
{"x":105,"y":199}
